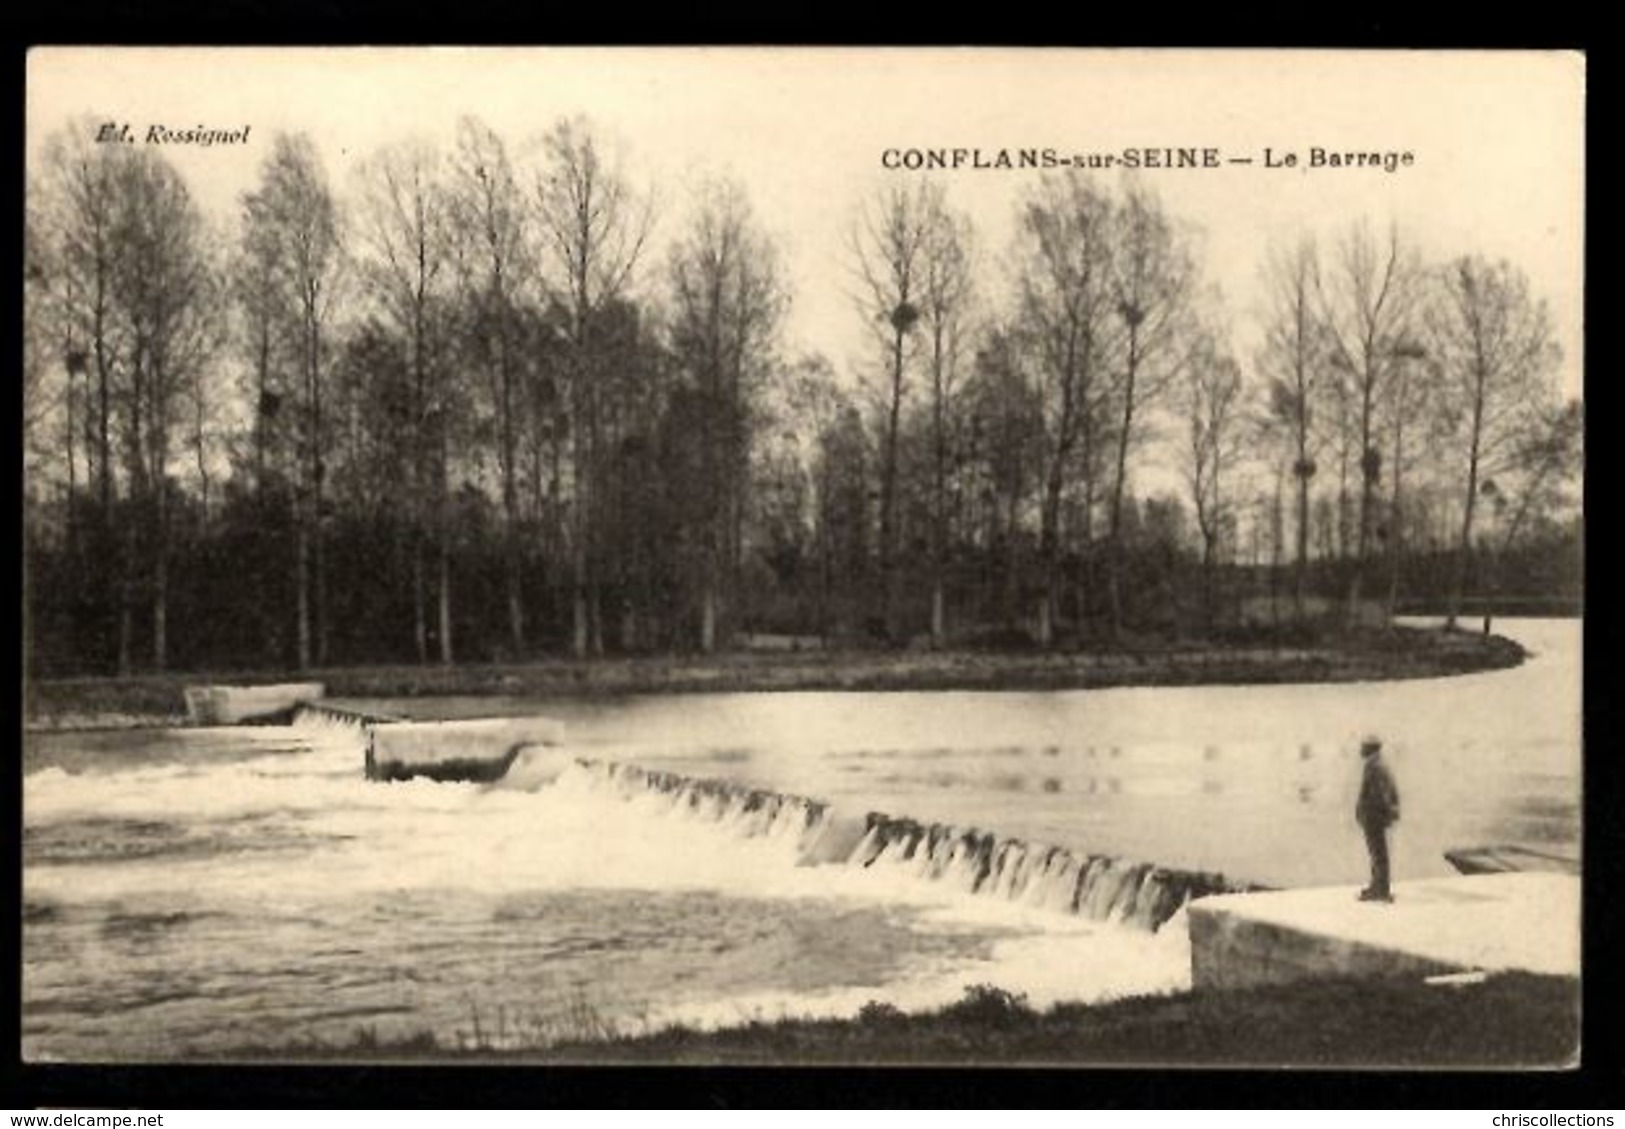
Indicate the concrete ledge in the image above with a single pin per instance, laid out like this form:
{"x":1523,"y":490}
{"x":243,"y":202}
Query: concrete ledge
{"x":1522,"y":921}
{"x":234,"y":705}
{"x":479,"y":749}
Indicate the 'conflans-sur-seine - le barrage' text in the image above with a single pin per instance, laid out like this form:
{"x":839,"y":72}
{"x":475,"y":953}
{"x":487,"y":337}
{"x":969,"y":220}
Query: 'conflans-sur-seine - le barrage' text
{"x":1142,"y":157}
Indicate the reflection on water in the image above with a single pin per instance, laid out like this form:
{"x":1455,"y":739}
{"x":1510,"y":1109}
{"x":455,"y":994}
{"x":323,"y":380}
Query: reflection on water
{"x":193,"y":891}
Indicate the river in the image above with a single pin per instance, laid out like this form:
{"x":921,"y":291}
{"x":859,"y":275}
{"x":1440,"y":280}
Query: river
{"x":193,"y":893}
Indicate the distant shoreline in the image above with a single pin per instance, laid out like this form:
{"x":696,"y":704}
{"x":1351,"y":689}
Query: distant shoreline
{"x":142,"y":701}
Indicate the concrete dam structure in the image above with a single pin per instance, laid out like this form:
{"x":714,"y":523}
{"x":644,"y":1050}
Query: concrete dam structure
{"x":479,"y":749}
{"x":1524,"y":921}
{"x":244,"y":705}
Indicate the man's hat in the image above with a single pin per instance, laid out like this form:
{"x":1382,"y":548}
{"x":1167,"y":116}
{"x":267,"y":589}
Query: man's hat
{"x":1370,"y":744}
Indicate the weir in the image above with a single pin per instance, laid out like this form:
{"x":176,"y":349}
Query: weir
{"x":983,"y":863}
{"x":977,"y":862}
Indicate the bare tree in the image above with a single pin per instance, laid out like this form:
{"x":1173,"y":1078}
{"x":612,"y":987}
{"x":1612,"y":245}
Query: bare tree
{"x":1153,"y":282}
{"x":1011,"y":449}
{"x":165,"y":291}
{"x":292,"y":219}
{"x":1493,"y":342}
{"x":1367,"y":302}
{"x":1292,"y":360}
{"x":726,"y":302}
{"x":487,"y":214}
{"x":120,"y":252}
{"x":78,"y":212}
{"x":1543,"y":470}
{"x":402,"y":244}
{"x":889,"y":249}
{"x":593,"y":229}
{"x":1213,"y":399}
{"x":946,"y":296}
{"x":1065,"y":297}
{"x":1410,"y":405}
{"x":44,"y":347}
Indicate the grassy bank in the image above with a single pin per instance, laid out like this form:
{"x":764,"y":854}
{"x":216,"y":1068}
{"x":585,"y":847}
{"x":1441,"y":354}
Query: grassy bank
{"x":1515,"y":1019}
{"x":1364,"y":656}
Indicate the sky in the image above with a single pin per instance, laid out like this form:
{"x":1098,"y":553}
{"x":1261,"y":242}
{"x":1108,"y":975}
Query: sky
{"x":1497,"y":140}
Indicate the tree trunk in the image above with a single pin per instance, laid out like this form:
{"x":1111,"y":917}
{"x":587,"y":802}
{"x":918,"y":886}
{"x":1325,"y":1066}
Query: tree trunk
{"x":1368,"y":484}
{"x":445,"y":596}
{"x":125,"y":631}
{"x":262,"y":371}
{"x":516,"y":605}
{"x":104,"y":439}
{"x":1114,"y":542}
{"x":1300,"y":580}
{"x":629,"y":627}
{"x":595,"y":619}
{"x":1207,"y":582}
{"x":302,"y":592}
{"x":126,"y":596}
{"x":420,"y":621}
{"x":514,"y":565}
{"x":319,"y":555}
{"x":1114,"y":548}
{"x":578,"y":640}
{"x":939,"y":491}
{"x":1464,"y":547}
{"x":1012,"y":563}
{"x":888,"y":491}
{"x":160,"y":583}
{"x":1343,"y":502}
{"x":708,"y":618}
{"x":312,"y":542}
{"x":1396,"y":526}
{"x":1048,"y":547}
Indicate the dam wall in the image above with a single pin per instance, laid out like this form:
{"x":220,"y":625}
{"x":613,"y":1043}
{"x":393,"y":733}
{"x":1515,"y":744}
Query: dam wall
{"x":982,"y":863}
{"x":478,"y":749}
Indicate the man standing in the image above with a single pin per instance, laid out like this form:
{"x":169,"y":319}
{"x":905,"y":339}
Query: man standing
{"x":1376,"y":811}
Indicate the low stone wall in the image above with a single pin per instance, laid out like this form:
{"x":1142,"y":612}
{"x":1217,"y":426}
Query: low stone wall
{"x":1230,"y":951}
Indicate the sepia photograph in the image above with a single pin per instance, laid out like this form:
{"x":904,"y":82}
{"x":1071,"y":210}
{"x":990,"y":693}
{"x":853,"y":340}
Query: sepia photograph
{"x":798,"y":556}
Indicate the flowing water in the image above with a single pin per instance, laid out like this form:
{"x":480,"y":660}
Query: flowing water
{"x":198,"y":892}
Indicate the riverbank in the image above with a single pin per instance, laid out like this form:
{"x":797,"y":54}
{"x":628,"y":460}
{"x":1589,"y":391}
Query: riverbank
{"x":1397,"y":653}
{"x":1515,"y":1019}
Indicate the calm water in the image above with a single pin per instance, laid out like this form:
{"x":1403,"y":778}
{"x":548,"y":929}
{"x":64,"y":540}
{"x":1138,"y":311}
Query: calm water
{"x":193,"y":891}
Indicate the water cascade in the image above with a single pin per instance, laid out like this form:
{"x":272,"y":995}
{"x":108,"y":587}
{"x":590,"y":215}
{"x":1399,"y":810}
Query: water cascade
{"x":319,"y":717}
{"x":751,"y":813}
{"x":1095,"y":886}
{"x":1099,"y":887}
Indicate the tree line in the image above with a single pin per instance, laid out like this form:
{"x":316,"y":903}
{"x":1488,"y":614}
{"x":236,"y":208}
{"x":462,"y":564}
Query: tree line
{"x":463,"y":408}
